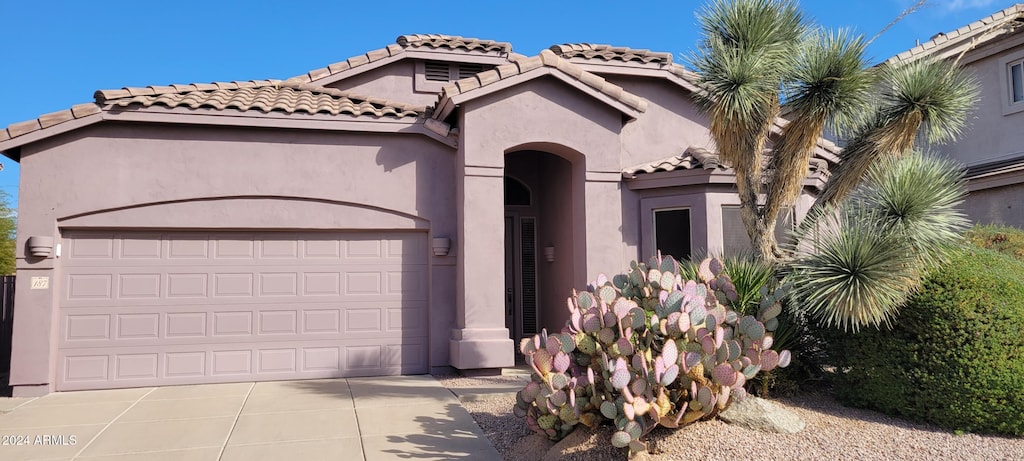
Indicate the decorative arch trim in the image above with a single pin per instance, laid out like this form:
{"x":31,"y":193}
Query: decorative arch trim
{"x":247,"y":212}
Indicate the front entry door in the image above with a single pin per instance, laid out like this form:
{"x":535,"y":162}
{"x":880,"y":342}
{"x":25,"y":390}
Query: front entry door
{"x":520,"y":276}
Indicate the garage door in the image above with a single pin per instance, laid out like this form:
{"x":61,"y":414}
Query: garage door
{"x":157,"y":308}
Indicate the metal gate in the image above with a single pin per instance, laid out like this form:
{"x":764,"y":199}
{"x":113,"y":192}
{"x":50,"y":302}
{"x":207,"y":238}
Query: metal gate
{"x":6,"y":322}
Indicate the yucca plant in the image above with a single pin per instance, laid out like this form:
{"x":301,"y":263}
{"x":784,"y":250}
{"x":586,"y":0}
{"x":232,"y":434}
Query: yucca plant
{"x":918,"y":197}
{"x":760,"y":59}
{"x":752,"y":277}
{"x":925,"y":97}
{"x":828,"y":88}
{"x":742,"y":62}
{"x":856,"y":263}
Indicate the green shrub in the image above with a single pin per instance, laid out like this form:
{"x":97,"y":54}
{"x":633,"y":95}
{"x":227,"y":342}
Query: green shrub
{"x":955,"y":354}
{"x":1004,"y":239}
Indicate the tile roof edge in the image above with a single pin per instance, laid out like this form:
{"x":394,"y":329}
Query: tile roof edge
{"x":944,"y":40}
{"x":579,"y":50}
{"x":546,"y":59}
{"x":105,"y":96}
{"x":108,"y":97}
{"x":48,"y":120}
{"x":402,"y":43}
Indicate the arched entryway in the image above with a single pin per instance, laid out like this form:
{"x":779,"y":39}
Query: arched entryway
{"x":544,"y":239}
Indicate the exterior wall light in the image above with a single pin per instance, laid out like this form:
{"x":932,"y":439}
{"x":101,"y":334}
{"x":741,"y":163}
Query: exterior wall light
{"x":40,"y":246}
{"x":549,"y":254}
{"x":441,"y":246}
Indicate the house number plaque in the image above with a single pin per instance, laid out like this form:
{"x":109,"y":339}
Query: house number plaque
{"x":40,"y":283}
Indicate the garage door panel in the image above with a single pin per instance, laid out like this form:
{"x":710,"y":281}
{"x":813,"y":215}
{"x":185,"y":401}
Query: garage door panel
{"x":91,"y":286}
{"x":142,"y":326}
{"x":145,"y":308}
{"x":99,"y":368}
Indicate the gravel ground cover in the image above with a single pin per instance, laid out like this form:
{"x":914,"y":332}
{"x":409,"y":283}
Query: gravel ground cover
{"x":833,"y":432}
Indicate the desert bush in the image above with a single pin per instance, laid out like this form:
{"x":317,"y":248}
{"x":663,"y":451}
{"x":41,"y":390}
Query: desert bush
{"x":955,"y":355}
{"x":1004,"y":239}
{"x":647,"y":348}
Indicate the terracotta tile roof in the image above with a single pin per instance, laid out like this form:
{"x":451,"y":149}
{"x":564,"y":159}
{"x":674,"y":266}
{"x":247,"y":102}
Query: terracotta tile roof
{"x":610,"y":53}
{"x":546,"y":58}
{"x":45,"y":121}
{"x":944,"y":45}
{"x":262,"y":95}
{"x":403,"y":42}
{"x":452,"y":42}
{"x":694,"y":158}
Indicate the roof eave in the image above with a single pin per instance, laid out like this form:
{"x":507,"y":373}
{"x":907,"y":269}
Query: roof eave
{"x":214,"y":117}
{"x":43,"y":133}
{"x":447,"y":104}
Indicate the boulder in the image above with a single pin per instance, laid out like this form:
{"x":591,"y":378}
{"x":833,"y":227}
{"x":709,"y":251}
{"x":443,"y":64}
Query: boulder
{"x":761,"y":415}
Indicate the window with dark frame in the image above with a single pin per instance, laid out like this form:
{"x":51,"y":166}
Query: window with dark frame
{"x":1016,"y":82}
{"x":672,"y":232}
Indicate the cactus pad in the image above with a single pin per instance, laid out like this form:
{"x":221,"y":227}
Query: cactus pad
{"x":621,"y":439}
{"x":609,"y":410}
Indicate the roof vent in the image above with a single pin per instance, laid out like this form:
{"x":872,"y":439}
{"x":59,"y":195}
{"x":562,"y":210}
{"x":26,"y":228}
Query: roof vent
{"x":467,"y":70}
{"x":437,"y":71}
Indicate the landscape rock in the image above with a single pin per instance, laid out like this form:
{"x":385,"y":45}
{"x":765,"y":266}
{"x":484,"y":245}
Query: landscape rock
{"x":761,"y":415}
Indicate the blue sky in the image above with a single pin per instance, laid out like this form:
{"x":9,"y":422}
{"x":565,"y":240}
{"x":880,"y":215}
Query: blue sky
{"x":57,"y":53}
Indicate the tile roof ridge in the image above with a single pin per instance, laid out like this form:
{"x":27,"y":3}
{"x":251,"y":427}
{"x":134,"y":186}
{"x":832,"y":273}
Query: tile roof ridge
{"x":546,"y":58}
{"x":427,"y":41}
{"x":609,"y":53}
{"x":1011,"y":17}
{"x":452,"y":42}
{"x":103,"y":96}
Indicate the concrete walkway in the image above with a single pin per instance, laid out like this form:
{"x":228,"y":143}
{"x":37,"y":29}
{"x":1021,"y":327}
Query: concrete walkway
{"x":407,"y":417}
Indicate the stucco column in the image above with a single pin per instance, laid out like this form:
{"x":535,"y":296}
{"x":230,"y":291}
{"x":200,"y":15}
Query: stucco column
{"x":606,"y":250}
{"x":480,"y":339}
{"x":34,"y":343}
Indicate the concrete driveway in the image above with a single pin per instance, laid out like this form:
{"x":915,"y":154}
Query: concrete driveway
{"x":339,"y":419}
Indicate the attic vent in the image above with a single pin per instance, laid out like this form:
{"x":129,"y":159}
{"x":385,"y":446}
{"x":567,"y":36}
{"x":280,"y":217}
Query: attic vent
{"x":468,"y":70}
{"x":437,"y":71}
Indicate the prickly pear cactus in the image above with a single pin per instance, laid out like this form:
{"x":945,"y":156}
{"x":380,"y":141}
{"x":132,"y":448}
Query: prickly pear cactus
{"x":644,"y":349}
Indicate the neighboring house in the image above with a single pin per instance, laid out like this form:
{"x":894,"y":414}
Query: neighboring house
{"x":992,"y":147}
{"x":290,"y":229}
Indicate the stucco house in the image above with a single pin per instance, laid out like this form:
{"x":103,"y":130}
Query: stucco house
{"x":421,"y":205}
{"x":992,"y":147}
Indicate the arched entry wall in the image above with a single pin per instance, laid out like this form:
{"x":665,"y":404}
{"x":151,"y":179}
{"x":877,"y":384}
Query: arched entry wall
{"x":567,"y":125}
{"x":545,"y":244}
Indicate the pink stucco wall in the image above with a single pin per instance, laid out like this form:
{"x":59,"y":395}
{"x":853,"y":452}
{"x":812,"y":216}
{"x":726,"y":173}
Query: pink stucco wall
{"x":137,"y":175}
{"x":569,"y":146}
{"x":992,"y":134}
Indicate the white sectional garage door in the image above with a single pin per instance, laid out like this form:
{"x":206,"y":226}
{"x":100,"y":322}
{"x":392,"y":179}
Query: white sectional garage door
{"x":159,"y":308}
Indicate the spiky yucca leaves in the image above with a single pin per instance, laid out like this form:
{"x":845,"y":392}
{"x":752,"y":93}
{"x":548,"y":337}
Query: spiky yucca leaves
{"x":749,"y":274}
{"x":918,"y":196}
{"x":856,"y":272}
{"x":830,"y":86}
{"x":857,"y":264}
{"x":742,"y":62}
{"x":927,"y":97}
